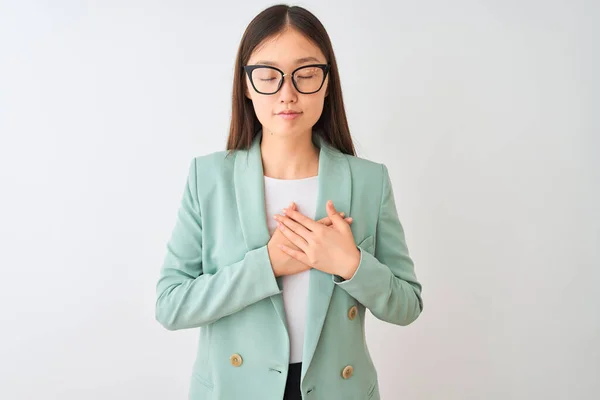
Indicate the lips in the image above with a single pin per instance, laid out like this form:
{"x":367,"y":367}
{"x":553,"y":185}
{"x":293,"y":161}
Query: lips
{"x":289,"y":115}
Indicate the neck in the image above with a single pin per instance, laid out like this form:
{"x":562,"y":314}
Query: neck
{"x":289,"y":156}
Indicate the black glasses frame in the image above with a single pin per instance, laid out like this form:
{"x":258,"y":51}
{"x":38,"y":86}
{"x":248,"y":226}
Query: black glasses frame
{"x":250,"y":68}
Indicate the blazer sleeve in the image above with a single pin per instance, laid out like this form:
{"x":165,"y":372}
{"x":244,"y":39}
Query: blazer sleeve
{"x":386,"y":283}
{"x":188,"y":298}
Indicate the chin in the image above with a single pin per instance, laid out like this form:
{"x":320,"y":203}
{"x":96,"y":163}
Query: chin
{"x":284,"y":130}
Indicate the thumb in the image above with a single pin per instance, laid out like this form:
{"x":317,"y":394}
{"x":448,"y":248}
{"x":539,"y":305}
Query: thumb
{"x":333,"y":214}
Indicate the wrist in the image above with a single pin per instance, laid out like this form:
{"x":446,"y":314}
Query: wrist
{"x":351,"y":265}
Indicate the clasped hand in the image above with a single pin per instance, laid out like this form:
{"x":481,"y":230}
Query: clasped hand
{"x":329,"y":248}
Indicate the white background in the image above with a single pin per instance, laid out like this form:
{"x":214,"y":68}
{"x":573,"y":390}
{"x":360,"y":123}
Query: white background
{"x":485,"y":112}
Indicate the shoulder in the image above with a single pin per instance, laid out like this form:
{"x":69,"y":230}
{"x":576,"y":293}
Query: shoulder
{"x":206,"y":171}
{"x":213,"y":162}
{"x":369,"y":177}
{"x":363,"y":168}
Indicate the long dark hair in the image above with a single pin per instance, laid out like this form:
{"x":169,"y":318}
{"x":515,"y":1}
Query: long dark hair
{"x":332,"y":125}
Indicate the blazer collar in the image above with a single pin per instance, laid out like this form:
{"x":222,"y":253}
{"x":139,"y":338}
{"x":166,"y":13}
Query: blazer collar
{"x":334,"y":183}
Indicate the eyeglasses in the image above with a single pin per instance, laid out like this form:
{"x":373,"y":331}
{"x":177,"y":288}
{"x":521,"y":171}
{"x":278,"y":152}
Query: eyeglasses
{"x":268,"y":80}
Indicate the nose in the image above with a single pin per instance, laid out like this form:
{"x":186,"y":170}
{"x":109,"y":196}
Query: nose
{"x":287,"y":93}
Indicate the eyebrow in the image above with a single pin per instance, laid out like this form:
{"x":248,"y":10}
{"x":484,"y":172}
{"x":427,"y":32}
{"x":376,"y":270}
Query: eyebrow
{"x":298,"y":61}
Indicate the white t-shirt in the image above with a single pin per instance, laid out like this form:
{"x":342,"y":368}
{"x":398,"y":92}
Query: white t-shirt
{"x":279,"y":193}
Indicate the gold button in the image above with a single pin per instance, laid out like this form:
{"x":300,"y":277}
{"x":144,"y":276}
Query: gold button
{"x":352,"y":312}
{"x":236,"y":360}
{"x":347,"y":372}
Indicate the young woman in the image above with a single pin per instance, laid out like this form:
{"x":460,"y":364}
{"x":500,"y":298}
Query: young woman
{"x":261,"y":257}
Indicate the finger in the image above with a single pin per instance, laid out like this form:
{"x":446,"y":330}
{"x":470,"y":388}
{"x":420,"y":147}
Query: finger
{"x":294,"y":207}
{"x":278,"y":231}
{"x":308,"y":223}
{"x":332,"y":212}
{"x":298,"y":255}
{"x":291,"y":235}
{"x":327,"y":220}
{"x":295,"y":227}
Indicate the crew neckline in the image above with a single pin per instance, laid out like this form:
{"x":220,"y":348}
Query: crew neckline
{"x":291,"y":180}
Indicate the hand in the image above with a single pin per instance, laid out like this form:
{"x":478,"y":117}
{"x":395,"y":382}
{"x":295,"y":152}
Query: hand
{"x":325,"y":221}
{"x":330,"y":250}
{"x":283,"y":263}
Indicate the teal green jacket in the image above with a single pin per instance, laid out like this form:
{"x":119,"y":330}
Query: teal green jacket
{"x":217,"y":276}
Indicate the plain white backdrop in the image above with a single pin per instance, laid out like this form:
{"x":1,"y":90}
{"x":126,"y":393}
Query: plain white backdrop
{"x":485,"y":112}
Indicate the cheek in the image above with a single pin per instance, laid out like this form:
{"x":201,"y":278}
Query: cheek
{"x":262,"y":107}
{"x":315,"y":109}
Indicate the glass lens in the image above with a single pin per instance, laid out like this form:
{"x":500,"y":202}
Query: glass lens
{"x":308,"y":79}
{"x":266,"y":80}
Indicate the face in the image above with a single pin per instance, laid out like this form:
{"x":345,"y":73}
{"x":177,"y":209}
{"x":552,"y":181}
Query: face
{"x":287,"y":52}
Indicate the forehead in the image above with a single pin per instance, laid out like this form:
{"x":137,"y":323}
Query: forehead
{"x":287,"y":48}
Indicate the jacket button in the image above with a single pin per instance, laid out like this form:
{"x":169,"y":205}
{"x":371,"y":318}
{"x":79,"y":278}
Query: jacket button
{"x":236,"y":360}
{"x":352,"y":312}
{"x":347,"y":372}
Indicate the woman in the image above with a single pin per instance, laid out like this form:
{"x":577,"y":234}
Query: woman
{"x":280,"y":295}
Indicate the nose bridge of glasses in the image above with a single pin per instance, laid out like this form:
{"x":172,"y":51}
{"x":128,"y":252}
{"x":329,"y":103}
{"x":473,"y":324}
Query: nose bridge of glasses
{"x":290,"y":81}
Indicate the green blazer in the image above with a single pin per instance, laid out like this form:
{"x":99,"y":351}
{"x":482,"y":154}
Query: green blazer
{"x":217,"y":276}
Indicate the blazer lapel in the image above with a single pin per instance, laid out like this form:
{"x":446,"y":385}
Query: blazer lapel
{"x":249,"y":185}
{"x":334,"y":183}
